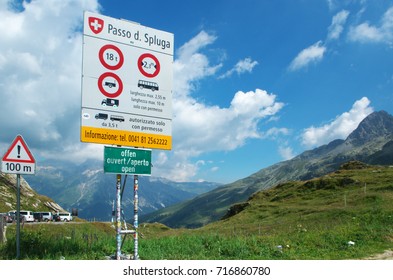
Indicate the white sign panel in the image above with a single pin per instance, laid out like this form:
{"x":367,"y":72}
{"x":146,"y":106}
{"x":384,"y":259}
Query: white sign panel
{"x":126,"y":84}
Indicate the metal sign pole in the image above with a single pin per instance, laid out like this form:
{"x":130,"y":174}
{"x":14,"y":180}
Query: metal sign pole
{"x":17,"y":216}
{"x":136,"y":256}
{"x":118,"y":217}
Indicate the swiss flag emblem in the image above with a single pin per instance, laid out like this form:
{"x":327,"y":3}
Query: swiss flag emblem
{"x":96,"y":24}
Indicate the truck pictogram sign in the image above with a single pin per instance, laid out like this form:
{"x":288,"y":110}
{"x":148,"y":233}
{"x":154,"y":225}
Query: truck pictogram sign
{"x":110,"y":85}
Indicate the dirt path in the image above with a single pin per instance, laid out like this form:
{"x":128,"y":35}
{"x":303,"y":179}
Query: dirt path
{"x":387,"y":255}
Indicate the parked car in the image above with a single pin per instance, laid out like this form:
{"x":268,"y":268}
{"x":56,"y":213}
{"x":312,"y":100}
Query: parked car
{"x":65,"y":216}
{"x":56,"y":218}
{"x":28,"y":215}
{"x":7,"y":217}
{"x":46,"y":216}
{"x":38,"y":217}
{"x":12,"y":217}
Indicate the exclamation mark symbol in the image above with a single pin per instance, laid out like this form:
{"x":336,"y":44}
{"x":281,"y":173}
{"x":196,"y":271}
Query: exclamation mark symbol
{"x":18,"y":151}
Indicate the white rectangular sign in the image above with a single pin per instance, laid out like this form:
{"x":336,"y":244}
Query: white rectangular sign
{"x":126,"y":84}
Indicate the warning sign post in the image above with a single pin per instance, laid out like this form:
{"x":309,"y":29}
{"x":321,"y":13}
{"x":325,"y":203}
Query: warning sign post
{"x":18,"y":158}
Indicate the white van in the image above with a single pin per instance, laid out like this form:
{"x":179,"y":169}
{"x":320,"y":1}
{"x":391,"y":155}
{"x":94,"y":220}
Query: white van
{"x":65,"y":217}
{"x":46,"y":216}
{"x":27,"y":215}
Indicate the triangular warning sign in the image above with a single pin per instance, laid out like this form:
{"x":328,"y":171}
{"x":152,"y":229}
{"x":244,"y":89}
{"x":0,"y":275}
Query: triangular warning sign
{"x":19,"y":152}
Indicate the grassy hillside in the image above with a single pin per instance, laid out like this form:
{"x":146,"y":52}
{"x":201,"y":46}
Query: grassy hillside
{"x":344,"y":215}
{"x":347,"y":214}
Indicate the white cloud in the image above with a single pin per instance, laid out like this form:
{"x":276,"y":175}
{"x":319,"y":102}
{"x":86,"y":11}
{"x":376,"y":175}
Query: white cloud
{"x":275,"y":132}
{"x":316,"y":52}
{"x":191,"y":66}
{"x":199,"y":128}
{"x":331,"y":4}
{"x":243,"y":66}
{"x":340,"y":127}
{"x":286,"y":152}
{"x":312,"y":54}
{"x":337,"y":26}
{"x":40,"y":72}
{"x":366,"y":32}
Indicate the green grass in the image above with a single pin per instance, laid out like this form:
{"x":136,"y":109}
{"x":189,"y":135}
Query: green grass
{"x":297,"y":220}
{"x":308,"y":220}
{"x":58,"y":241}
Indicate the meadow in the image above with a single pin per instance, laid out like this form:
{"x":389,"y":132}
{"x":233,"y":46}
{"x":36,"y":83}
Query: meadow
{"x":344,"y":215}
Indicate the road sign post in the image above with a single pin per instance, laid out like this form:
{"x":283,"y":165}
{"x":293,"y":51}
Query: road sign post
{"x":118,"y":217}
{"x":18,"y":160}
{"x":121,"y":160}
{"x":126,"y":97}
{"x":17,"y":216}
{"x":136,"y":222}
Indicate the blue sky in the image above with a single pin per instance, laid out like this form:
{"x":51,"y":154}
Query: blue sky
{"x":255,"y":82}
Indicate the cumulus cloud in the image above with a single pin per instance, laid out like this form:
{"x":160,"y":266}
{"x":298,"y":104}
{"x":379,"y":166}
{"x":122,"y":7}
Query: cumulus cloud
{"x":366,"y":32}
{"x":340,"y":127}
{"x":40,"y":72}
{"x":243,"y":66}
{"x":199,"y":128}
{"x":312,"y":54}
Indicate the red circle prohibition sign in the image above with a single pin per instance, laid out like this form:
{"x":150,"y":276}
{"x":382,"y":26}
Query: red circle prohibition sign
{"x":115,"y":82}
{"x":101,"y":55}
{"x":142,"y":64}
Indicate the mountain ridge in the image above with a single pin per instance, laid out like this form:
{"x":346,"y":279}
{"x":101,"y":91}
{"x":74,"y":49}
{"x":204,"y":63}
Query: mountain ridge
{"x":92,"y":191}
{"x":29,"y":198}
{"x":366,"y":143}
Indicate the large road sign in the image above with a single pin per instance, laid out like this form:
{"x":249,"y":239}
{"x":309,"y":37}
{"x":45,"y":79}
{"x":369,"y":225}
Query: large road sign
{"x":18,"y":159}
{"x":126,"y":84}
{"x":127,"y":161}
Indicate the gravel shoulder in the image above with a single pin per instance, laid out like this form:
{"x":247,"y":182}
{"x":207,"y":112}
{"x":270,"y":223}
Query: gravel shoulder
{"x":387,"y":255}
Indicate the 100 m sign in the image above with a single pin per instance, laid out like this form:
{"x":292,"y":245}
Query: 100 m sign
{"x":18,"y":168}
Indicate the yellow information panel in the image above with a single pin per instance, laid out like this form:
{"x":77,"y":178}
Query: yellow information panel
{"x":125,"y":138}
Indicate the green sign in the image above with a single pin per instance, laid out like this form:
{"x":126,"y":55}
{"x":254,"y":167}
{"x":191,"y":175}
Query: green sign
{"x":127,"y":161}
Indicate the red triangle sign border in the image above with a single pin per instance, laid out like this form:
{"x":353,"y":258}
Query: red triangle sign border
{"x":18,"y":138}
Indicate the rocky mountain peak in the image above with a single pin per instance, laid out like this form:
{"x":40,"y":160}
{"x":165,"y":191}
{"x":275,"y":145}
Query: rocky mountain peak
{"x":377,"y":124}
